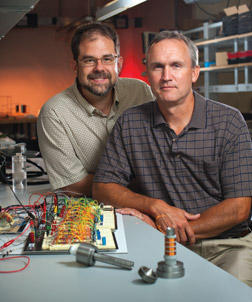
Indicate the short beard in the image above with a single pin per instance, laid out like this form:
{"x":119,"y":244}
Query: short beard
{"x":97,"y":90}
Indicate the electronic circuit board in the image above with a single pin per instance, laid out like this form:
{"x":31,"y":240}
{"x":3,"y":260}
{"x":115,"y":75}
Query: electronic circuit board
{"x":73,"y":222}
{"x":11,"y":224}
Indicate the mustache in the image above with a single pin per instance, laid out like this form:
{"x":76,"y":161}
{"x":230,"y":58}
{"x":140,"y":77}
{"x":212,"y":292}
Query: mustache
{"x":99,"y":75}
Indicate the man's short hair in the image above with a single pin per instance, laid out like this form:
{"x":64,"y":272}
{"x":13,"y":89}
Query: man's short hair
{"x":166,"y":34}
{"x":88,"y":31}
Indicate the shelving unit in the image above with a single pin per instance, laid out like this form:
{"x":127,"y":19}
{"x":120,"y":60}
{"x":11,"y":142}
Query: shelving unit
{"x":209,"y":44}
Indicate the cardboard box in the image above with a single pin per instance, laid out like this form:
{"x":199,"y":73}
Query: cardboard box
{"x":244,"y":19}
{"x":237,"y":20}
{"x":230,"y":21}
{"x":221,"y":58}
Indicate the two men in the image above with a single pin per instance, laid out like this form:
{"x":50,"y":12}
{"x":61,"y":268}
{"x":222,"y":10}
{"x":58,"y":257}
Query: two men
{"x":189,"y":158}
{"x":73,"y":126}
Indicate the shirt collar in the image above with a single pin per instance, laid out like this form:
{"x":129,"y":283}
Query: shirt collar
{"x":116,"y":98}
{"x":157,"y":115}
{"x":198,"y":119}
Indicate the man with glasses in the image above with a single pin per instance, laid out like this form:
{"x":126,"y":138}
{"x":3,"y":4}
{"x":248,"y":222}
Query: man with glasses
{"x":73,"y":126}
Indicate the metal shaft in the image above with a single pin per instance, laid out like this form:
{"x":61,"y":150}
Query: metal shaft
{"x":113,"y":260}
{"x":88,"y":253}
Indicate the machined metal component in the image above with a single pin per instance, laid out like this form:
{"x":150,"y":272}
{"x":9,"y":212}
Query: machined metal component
{"x":170,"y":271}
{"x":147,"y":274}
{"x":88,"y":254}
{"x":170,"y":267}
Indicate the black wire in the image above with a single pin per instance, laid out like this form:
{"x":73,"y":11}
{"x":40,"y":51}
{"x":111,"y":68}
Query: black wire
{"x":39,"y":182}
{"x":30,"y":174}
{"x":6,"y":182}
{"x":29,"y":213}
{"x":36,"y":173}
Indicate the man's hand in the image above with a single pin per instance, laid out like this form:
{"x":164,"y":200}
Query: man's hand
{"x":163,"y":214}
{"x":139,"y":215}
{"x":168,"y":216}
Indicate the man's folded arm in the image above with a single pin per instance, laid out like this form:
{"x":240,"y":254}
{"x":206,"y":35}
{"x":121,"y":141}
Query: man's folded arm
{"x":222,"y":217}
{"x":121,"y":197}
{"x":80,"y":188}
{"x":163,"y":214}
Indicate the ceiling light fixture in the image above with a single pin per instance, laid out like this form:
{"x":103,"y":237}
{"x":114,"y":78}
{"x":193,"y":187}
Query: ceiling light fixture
{"x":115,"y":7}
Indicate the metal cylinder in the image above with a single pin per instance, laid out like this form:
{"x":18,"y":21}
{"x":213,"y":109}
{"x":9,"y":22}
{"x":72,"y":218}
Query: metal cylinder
{"x":85,"y":254}
{"x":170,"y":268}
{"x":114,"y":261}
{"x":170,"y":253}
{"x":19,"y":175}
{"x":88,"y":254}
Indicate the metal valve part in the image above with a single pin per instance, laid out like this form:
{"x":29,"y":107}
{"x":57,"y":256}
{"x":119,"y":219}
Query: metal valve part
{"x":147,"y":274}
{"x":170,"y":267}
{"x":87,"y":254}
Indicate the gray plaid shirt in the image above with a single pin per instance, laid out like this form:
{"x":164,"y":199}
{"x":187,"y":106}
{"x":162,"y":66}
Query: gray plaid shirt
{"x":209,"y":161}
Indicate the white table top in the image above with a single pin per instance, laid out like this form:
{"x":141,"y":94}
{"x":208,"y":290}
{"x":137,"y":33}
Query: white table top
{"x":61,"y":278}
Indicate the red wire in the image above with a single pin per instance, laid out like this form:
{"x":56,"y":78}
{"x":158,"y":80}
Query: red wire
{"x":41,"y":196}
{"x":19,"y":270}
{"x":12,"y":240}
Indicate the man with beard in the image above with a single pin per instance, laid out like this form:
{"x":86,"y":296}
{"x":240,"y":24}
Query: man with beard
{"x":73,"y":126}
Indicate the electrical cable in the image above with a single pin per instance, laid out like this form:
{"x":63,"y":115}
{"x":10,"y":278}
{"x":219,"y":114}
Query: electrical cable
{"x":29,"y":213}
{"x":35,"y":173}
{"x":15,"y":257}
{"x":15,"y":195}
{"x":30,"y":174}
{"x":6,"y":244}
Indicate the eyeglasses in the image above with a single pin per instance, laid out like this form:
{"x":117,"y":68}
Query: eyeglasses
{"x":105,"y":60}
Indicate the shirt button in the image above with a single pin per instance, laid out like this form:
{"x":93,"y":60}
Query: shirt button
{"x":178,"y":155}
{"x":174,"y":139}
